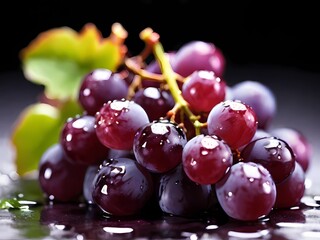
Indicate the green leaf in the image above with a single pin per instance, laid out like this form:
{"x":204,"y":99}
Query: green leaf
{"x":59,"y":58}
{"x":37,"y":128}
{"x":9,"y":203}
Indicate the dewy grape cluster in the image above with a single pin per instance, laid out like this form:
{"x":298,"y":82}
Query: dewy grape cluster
{"x":172,"y":134}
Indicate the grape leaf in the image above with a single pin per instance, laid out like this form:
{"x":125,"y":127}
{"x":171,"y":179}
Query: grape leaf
{"x":58,"y":58}
{"x":37,"y":128}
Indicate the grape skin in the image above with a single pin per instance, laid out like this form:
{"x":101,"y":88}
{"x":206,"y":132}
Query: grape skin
{"x":273,"y":153}
{"x":158,"y":145}
{"x":247,"y":192}
{"x":298,"y":143}
{"x":155,"y":101}
{"x":206,"y":159}
{"x":80,"y":142}
{"x":291,"y":190}
{"x":60,"y":179}
{"x":260,"y":97}
{"x":233,"y":121}
{"x":122,"y":187}
{"x":180,"y":196}
{"x":118,"y":121}
{"x":203,"y":90}
{"x":100,"y":86}
{"x":198,"y":55}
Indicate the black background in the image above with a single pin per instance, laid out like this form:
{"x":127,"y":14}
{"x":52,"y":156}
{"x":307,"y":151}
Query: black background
{"x":263,"y":32}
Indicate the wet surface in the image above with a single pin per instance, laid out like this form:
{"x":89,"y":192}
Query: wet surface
{"x":36,"y":219}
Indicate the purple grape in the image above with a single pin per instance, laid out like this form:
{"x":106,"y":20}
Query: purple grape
{"x":291,"y":190}
{"x":298,"y":143}
{"x":198,"y":55}
{"x":203,"y":90}
{"x":122,"y":187}
{"x":100,"y":86}
{"x":115,"y":153}
{"x":247,"y":192}
{"x":88,"y":183}
{"x":118,"y":121}
{"x":259,"y":97}
{"x":59,"y":179}
{"x":79,"y":140}
{"x":180,"y":196}
{"x":206,"y":159}
{"x":260,"y":133}
{"x":158,"y":145}
{"x":155,"y":101}
{"x":274,"y":154}
{"x":233,"y":121}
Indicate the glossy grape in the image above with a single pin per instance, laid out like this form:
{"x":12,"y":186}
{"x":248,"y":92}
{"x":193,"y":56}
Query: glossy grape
{"x":233,"y":121}
{"x":122,"y":187}
{"x":291,"y":190}
{"x":203,"y":90}
{"x":199,"y":55}
{"x":100,"y":86}
{"x":180,"y":196}
{"x":59,"y":179}
{"x":298,"y":143}
{"x":260,"y":97}
{"x":158,"y":145}
{"x":274,"y":154}
{"x":80,"y":142}
{"x":88,"y":183}
{"x":206,"y":159}
{"x":155,"y":101}
{"x":118,"y":121}
{"x":247,"y":192}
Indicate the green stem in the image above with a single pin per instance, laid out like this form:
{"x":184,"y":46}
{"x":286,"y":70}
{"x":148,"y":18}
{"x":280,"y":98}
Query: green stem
{"x":170,"y":77}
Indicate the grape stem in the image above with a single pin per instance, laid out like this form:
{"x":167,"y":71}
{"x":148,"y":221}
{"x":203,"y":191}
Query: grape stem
{"x":152,"y":38}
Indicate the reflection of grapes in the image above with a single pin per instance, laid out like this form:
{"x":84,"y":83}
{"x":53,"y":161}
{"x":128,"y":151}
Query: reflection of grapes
{"x":173,"y":136}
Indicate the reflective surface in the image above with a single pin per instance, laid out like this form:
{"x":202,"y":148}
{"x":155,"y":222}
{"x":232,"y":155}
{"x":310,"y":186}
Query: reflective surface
{"x":41,"y":220}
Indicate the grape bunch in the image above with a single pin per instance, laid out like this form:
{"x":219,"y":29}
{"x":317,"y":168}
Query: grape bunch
{"x":171,"y":133}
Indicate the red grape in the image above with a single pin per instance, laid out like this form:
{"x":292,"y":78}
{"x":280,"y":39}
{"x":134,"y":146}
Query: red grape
{"x":203,"y":90}
{"x":206,"y":159}
{"x":247,"y":192}
{"x":118,"y":121}
{"x":233,"y":121}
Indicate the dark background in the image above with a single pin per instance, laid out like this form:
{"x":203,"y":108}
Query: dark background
{"x":263,"y":32}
